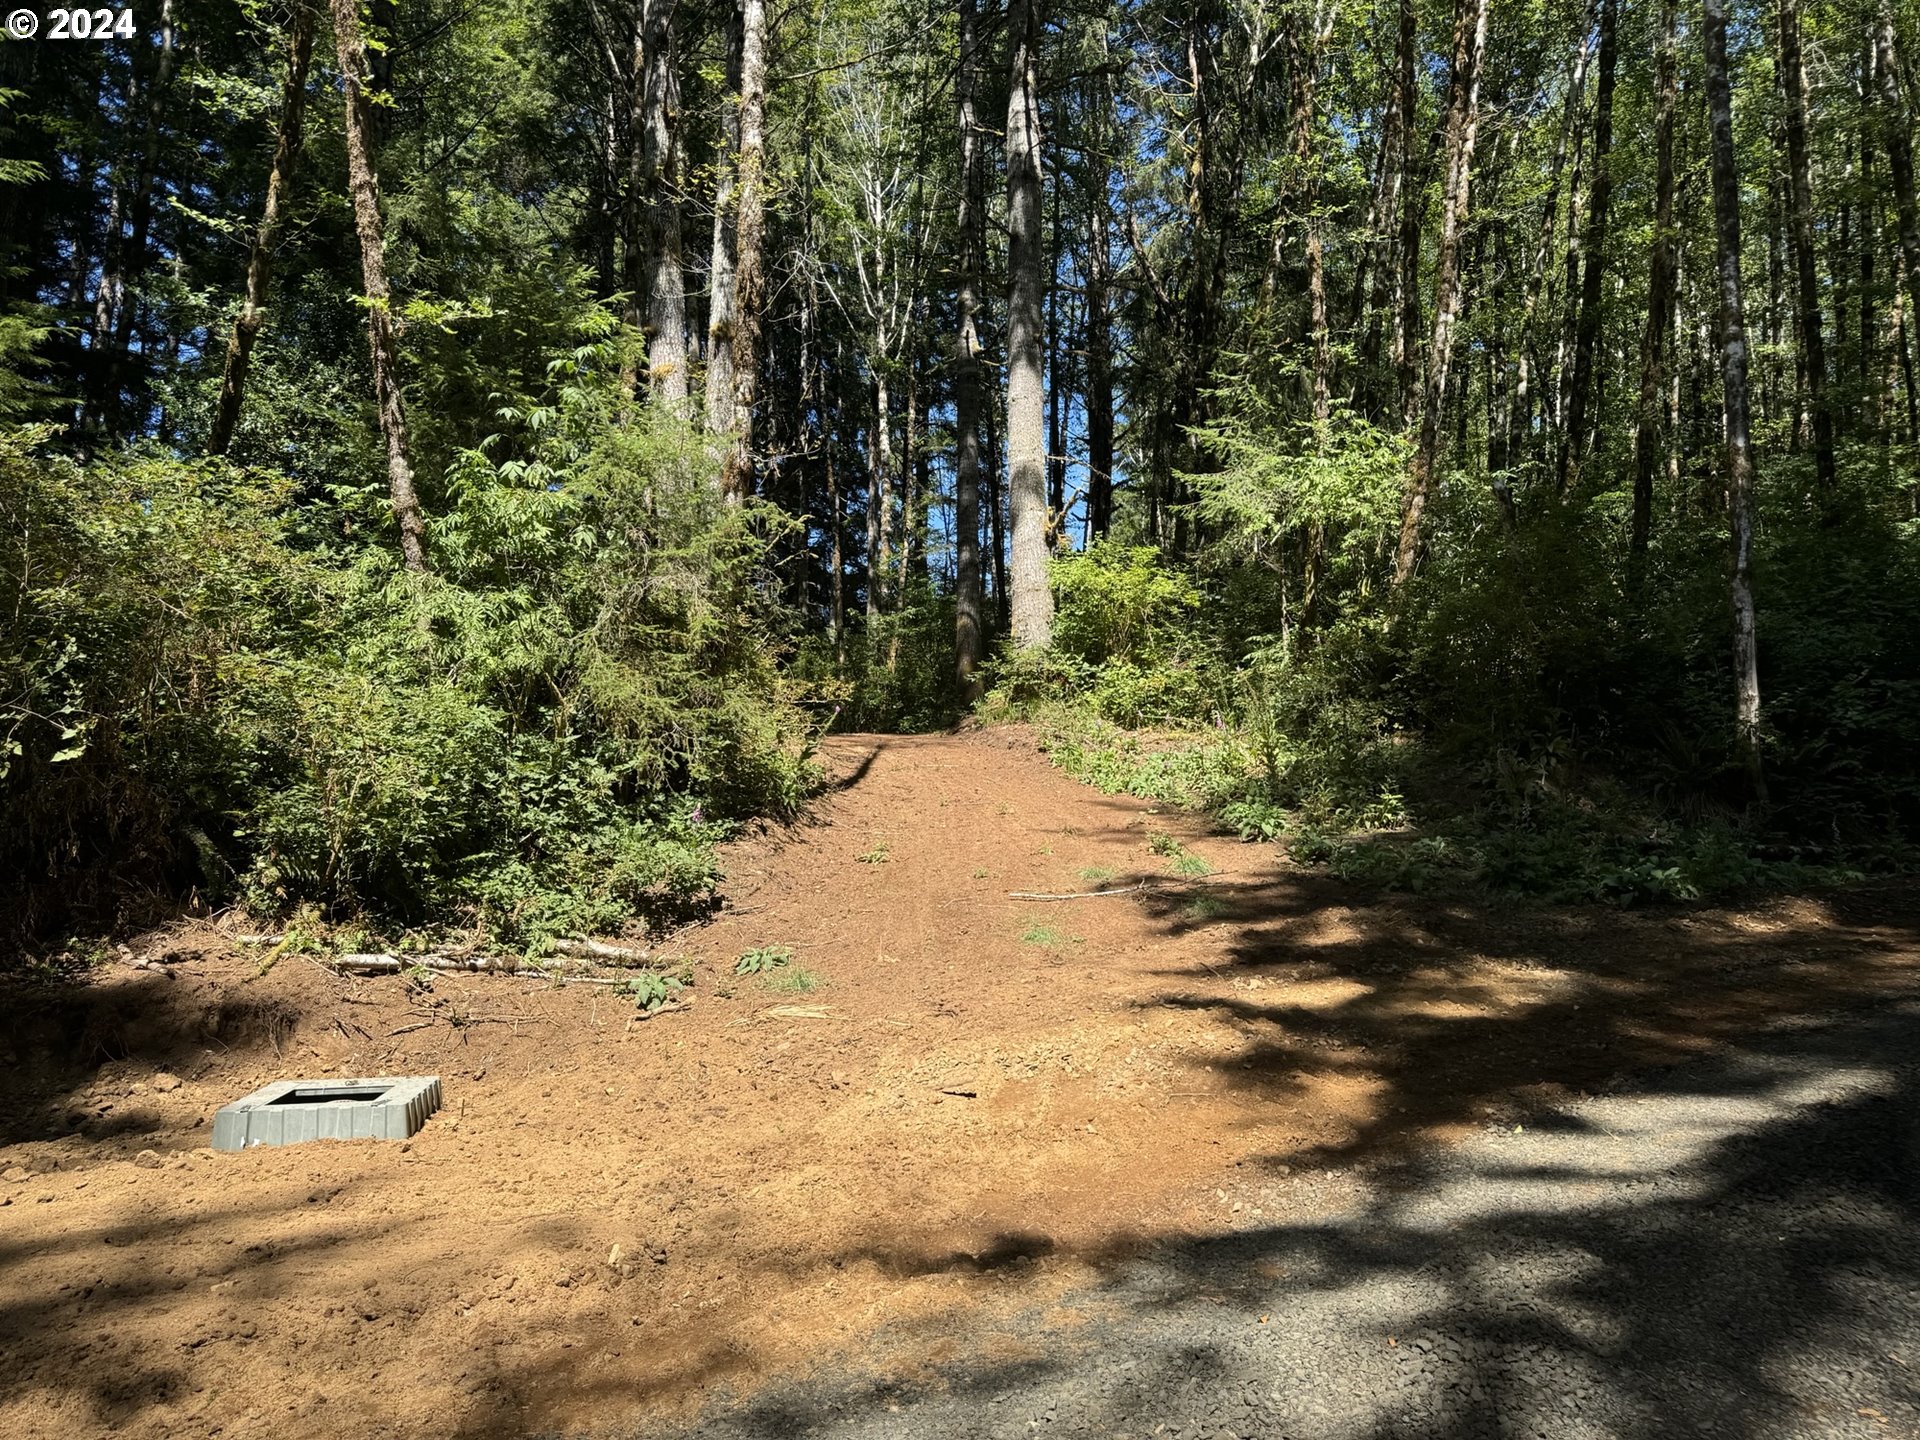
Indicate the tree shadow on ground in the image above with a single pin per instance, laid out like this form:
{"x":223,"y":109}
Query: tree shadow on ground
{"x":55,"y":1038}
{"x":1448,"y":1014}
{"x":1722,"y":1243}
{"x":1728,"y":1250}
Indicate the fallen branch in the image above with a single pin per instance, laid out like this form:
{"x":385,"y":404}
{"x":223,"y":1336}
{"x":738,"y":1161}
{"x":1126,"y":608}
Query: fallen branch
{"x":668,"y":1009}
{"x":600,"y":950}
{"x":384,"y":964}
{"x":1077,"y":894}
{"x":597,"y":979}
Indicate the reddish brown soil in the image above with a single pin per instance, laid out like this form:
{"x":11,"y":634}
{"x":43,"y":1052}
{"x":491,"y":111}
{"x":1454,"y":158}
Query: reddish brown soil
{"x":992,"y":1100}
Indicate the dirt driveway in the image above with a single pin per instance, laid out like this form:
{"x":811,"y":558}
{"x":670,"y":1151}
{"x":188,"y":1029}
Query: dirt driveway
{"x":985,"y":1104}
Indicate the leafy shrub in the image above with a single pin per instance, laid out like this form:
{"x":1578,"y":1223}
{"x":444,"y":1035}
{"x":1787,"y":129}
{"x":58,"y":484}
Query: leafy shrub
{"x":1121,"y":602}
{"x":1255,"y":818}
{"x":213,"y":682}
{"x":1130,"y":645}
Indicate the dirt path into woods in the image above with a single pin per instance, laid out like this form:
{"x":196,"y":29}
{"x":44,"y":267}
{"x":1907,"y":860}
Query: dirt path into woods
{"x":986,"y":1103}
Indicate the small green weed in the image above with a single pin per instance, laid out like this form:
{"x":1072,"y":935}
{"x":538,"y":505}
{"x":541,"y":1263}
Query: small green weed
{"x":763,"y":959}
{"x":1185,"y":862}
{"x":797,"y":981}
{"x":1096,"y":874}
{"x":1047,"y":936}
{"x":652,"y":991}
{"x":876,"y":856}
{"x":1203,"y":908}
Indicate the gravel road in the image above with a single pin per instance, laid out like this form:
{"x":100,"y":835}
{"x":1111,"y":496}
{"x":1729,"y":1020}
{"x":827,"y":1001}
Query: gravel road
{"x":1728,"y":1248}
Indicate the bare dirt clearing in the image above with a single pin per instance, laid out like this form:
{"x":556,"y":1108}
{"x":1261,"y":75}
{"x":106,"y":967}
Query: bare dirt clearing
{"x":986,"y":1101}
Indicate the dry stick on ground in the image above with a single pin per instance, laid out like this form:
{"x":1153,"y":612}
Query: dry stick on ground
{"x":387,"y":964}
{"x":599,"y":950}
{"x":596,"y":949}
{"x":1077,"y":894}
{"x":595,"y":979}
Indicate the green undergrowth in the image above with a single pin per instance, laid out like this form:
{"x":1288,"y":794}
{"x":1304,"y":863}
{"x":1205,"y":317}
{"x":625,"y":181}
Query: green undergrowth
{"x":1511,"y":726}
{"x":1554,"y":850}
{"x":218,"y":684}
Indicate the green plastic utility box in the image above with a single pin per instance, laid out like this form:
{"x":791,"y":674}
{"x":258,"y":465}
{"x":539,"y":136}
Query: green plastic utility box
{"x":290,"y":1111}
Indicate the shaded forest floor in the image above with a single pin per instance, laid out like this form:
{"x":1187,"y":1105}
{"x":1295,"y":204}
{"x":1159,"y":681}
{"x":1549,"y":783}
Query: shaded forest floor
{"x":987,"y":1104}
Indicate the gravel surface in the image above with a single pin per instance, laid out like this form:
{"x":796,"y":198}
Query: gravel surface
{"x":1727,"y":1248}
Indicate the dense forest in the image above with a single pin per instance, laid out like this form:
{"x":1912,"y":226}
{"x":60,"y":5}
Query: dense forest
{"x":455,"y":458}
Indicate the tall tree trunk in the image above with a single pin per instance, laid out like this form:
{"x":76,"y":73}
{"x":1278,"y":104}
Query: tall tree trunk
{"x":1573,"y":439}
{"x":879,"y":499}
{"x":1413,"y":209}
{"x":1031,"y":611}
{"x":1561,"y":393}
{"x":750,"y":226}
{"x":1058,"y":386}
{"x":127,"y":254}
{"x":1306,"y":66}
{"x":1726,"y":211}
{"x":656,"y":276}
{"x":1793,"y":82}
{"x":1521,"y":409}
{"x":720,"y":282}
{"x":1373,"y":284}
{"x":912,"y":474}
{"x":967,"y":399}
{"x":1902,"y":352}
{"x":253,"y":310}
{"x":997,"y":522}
{"x":365,"y":185}
{"x":1770,"y":371}
{"x":607,"y":186}
{"x":1499,"y":421}
{"x":1660,"y":285}
{"x":1099,"y":373}
{"x":1870,"y":236}
{"x":837,"y":506}
{"x":1463,"y":122}
{"x":1896,"y":136}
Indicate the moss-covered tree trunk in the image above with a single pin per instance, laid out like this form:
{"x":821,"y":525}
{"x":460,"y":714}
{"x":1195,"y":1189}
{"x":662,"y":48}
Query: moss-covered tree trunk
{"x":749,"y":277}
{"x":364,"y":183}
